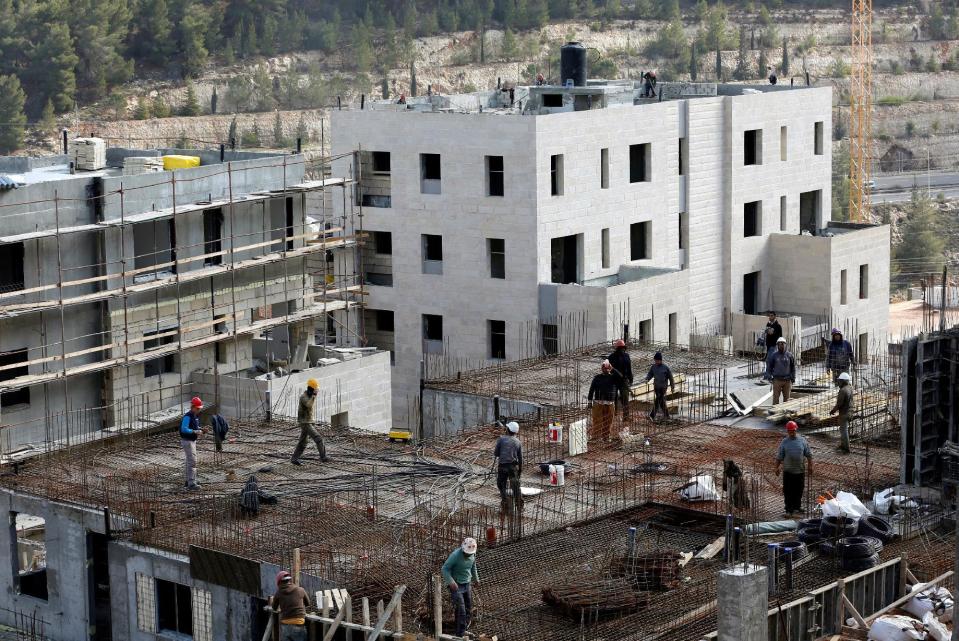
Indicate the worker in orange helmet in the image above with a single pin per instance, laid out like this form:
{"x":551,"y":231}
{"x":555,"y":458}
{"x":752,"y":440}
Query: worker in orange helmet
{"x":190,"y":430}
{"x":291,"y":602}
{"x":304,"y":417}
{"x":793,"y":460}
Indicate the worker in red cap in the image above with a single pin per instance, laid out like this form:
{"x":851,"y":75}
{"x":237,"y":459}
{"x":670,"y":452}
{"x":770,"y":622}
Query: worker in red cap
{"x":291,"y":602}
{"x":190,"y":430}
{"x":622,"y":372}
{"x":793,"y":460}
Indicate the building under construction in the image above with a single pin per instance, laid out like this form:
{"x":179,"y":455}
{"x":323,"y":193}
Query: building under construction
{"x":108,"y":541}
{"x":131,"y":280}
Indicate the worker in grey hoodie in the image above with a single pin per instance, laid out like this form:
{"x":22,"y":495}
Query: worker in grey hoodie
{"x":781,"y":366}
{"x":661,"y":375}
{"x":509,"y":453}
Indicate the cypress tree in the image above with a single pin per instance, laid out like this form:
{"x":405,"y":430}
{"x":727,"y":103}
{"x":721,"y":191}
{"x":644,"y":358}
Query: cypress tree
{"x":12,"y":117}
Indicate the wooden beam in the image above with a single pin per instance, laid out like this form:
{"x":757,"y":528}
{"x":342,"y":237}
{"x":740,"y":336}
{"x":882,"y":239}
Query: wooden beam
{"x":385,"y":616}
{"x":296,"y":566}
{"x":437,"y":606}
{"x":335,"y":625}
{"x":847,"y":604}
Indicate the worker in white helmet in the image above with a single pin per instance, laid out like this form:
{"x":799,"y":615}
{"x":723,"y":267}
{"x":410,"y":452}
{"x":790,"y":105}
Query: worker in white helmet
{"x":509,"y":453}
{"x":843,"y":407}
{"x":459,"y":572}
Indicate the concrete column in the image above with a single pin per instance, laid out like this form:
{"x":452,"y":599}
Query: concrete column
{"x":743,"y":603}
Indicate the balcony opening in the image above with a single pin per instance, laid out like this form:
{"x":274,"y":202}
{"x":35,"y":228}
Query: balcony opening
{"x":30,"y":559}
{"x":751,"y":292}
{"x":810,"y":205}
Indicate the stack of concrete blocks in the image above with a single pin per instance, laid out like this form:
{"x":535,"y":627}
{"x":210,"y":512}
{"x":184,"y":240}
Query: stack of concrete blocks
{"x":89,"y":154}
{"x":135,"y":165}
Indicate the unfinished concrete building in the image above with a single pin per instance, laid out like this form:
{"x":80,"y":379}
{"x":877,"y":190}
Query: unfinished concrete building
{"x":521,"y":222}
{"x":121,"y":295}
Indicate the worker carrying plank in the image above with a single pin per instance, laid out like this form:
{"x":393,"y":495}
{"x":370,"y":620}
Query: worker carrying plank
{"x":291,"y":601}
{"x":781,"y":365}
{"x":190,"y":431}
{"x":839,"y":357}
{"x":304,"y":416}
{"x":459,"y":572}
{"x":603,"y":392}
{"x":660,"y":375}
{"x":622,"y":372}
{"x":842,"y":407}
{"x":794,"y":459}
{"x":509,"y":454}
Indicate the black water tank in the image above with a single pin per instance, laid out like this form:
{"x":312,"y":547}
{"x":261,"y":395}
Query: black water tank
{"x":572,"y":64}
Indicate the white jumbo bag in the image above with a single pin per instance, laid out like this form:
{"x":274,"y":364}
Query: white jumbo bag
{"x":700,"y":488}
{"x":937,"y":629}
{"x":893,"y":627}
{"x":937,"y":600}
{"x":845,"y":504}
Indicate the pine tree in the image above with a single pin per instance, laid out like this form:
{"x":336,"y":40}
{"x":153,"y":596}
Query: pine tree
{"x":191,"y":106}
{"x":279,"y":140}
{"x":229,"y":53}
{"x":192,"y":45}
{"x":118,"y":104}
{"x":249,"y":39}
{"x":142,"y":110}
{"x":508,"y":51}
{"x":922,"y":244}
{"x":159,"y":108}
{"x":784,"y":67}
{"x":153,"y":29}
{"x":251,"y":138}
{"x":762,"y":64}
{"x":742,"y":68}
{"x":12,"y":117}
{"x":302,"y":133}
{"x":268,"y":41}
{"x":719,"y":65}
{"x":385,"y":89}
{"x":412,"y":79}
{"x":362,"y":48}
{"x":48,"y":120}
{"x":50,"y":70}
{"x":693,"y":62}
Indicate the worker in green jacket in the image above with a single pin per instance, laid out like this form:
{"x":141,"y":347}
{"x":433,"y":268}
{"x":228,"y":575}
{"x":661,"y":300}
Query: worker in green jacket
{"x":459,"y":572}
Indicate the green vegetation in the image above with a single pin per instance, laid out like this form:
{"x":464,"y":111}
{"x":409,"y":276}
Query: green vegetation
{"x":12,"y":99}
{"x":922,"y":245}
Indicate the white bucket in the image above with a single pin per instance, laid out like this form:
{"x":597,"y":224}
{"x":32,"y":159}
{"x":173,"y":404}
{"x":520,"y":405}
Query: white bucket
{"x":555,"y":434}
{"x":557,"y":475}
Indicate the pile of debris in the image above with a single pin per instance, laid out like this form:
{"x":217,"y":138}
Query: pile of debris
{"x":657,"y":571}
{"x":595,"y":599}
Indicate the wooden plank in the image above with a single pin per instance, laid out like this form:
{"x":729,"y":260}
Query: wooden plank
{"x":712,"y":549}
{"x":437,"y":606}
{"x":848,"y":605}
{"x":385,"y":615}
{"x":335,"y":625}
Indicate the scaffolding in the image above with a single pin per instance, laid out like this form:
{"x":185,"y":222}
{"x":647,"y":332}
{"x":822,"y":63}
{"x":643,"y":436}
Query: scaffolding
{"x":162,"y":303}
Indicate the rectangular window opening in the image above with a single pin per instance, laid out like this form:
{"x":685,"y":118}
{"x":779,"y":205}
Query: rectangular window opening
{"x":783,"y":143}
{"x":751,"y":292}
{"x":220,"y":347}
{"x":565,"y":259}
{"x":30,"y":562}
{"x":552,"y":100}
{"x":11,"y":267}
{"x":174,"y":608}
{"x":753,"y":147}
{"x":381,"y":162}
{"x":673,"y":329}
{"x":13,"y":364}
{"x":843,"y":281}
{"x":753,"y":219}
{"x":604,"y":239}
{"x":497,"y":339}
{"x":556,"y":175}
{"x":385,"y":321}
{"x":383,"y":242}
{"x":683,"y":230}
{"x":430,"y":174}
{"x":550,"y":339}
{"x":165,"y":364}
{"x":683,"y":156}
{"x":495,"y":185}
{"x":289,"y":224}
{"x":212,"y":236}
{"x":432,"y":254}
{"x":497,"y":257}
{"x":640,"y":241}
{"x":639,"y":166}
{"x":817,"y":139}
{"x":645,"y":330}
{"x":783,"y":220}
{"x":810,"y":205}
{"x":863,"y":281}
{"x":154,"y":245}
{"x":432,"y":327}
{"x":604,"y":168}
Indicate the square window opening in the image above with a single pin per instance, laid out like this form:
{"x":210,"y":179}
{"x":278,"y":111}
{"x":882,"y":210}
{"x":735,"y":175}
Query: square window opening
{"x":639,"y":165}
{"x":552,"y":100}
{"x":495,"y":184}
{"x":383,"y":243}
{"x":165,"y":364}
{"x":640,"y":241}
{"x":753,"y":147}
{"x":381,"y":162}
{"x":753,"y":219}
{"x":13,"y":364}
{"x":497,"y":339}
{"x":385,"y":321}
{"x":11,"y":267}
{"x":154,"y":245}
{"x":174,"y":608}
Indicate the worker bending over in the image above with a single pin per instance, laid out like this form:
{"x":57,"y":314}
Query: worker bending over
{"x":509,"y":454}
{"x":660,"y":375}
{"x":190,"y":431}
{"x":459,"y":572}
{"x":622,"y":372}
{"x":793,"y":459}
{"x":304,"y":416}
{"x":842,"y":407}
{"x":291,"y":602}
{"x":603,"y":392}
{"x":781,"y":366}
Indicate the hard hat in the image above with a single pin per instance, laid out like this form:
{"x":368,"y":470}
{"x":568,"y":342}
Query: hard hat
{"x":312,"y":383}
{"x":619,"y":342}
{"x":836,"y":330}
{"x":607,"y":366}
{"x":513,"y":427}
{"x":791,"y":426}
{"x":196,"y":402}
{"x":469,"y":545}
{"x":780,"y":340}
{"x":845,"y":376}
{"x":283,"y":576}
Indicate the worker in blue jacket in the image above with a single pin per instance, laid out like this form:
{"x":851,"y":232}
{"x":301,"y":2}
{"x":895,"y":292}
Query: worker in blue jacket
{"x":190,"y":430}
{"x":839,"y":357}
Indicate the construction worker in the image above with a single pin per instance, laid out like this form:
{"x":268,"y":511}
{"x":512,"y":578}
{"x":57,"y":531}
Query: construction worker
{"x":190,"y":431}
{"x":509,"y":454}
{"x":459,"y":572}
{"x":622,"y":372}
{"x":291,"y":602}
{"x":793,"y":460}
{"x":782,"y":370}
{"x":660,"y":375}
{"x":603,"y":392}
{"x":843,"y":407}
{"x":772,"y":75}
{"x":304,"y":416}
{"x":839,"y":356}
{"x":774,"y":332}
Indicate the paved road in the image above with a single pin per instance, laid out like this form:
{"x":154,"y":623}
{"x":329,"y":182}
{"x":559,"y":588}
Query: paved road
{"x":898,"y":187}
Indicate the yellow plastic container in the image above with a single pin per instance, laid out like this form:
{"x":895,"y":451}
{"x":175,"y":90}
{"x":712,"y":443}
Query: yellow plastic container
{"x":180,"y":162}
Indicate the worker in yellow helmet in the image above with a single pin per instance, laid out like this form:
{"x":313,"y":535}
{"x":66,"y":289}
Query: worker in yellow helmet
{"x":304,"y":416}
